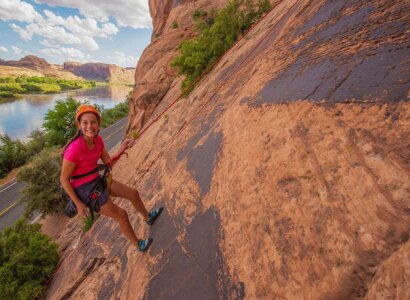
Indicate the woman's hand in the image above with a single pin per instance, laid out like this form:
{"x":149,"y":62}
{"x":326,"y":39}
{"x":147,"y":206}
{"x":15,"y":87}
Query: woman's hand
{"x":128,"y":143}
{"x":82,"y":209}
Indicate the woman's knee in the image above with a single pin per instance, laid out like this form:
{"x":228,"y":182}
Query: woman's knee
{"x":122,"y":215}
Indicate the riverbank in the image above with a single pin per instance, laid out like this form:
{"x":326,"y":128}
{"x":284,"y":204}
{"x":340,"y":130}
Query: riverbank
{"x":14,"y":87}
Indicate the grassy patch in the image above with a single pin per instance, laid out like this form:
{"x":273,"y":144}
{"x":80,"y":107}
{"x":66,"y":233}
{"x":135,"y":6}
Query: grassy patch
{"x":10,"y":87}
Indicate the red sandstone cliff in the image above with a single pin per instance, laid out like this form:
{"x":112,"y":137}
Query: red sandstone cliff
{"x":153,"y":76}
{"x":284,"y":175}
{"x":101,"y":72}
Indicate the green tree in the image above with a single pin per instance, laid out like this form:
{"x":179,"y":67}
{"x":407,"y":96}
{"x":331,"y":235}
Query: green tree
{"x":42,"y":190}
{"x":27,"y":259}
{"x":59,"y":122}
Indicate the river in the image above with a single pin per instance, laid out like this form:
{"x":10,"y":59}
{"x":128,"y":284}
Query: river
{"x":19,"y":118}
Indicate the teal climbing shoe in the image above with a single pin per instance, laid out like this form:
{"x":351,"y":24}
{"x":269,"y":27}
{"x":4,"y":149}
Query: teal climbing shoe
{"x":153,"y":215}
{"x":143,"y":245}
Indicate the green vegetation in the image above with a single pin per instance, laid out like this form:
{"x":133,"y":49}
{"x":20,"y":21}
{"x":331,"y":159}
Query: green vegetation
{"x":23,"y":84}
{"x":135,"y":135}
{"x":59,"y":122}
{"x":88,"y":223}
{"x":15,"y":153}
{"x":175,"y":24}
{"x":42,"y":192}
{"x":59,"y":126}
{"x":27,"y":259}
{"x":110,"y":116}
{"x":217,"y":33}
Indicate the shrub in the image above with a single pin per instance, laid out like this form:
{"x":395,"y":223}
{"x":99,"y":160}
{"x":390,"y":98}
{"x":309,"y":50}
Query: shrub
{"x":110,"y":116}
{"x":36,"y":143}
{"x":31,"y":87}
{"x":59,"y":122}
{"x":27,"y":259}
{"x":216,"y":36}
{"x":7,"y":95}
{"x":12,"y":154}
{"x":49,"y":88}
{"x":7,"y":79}
{"x":42,"y":190}
{"x":175,"y":24}
{"x":12,"y":87}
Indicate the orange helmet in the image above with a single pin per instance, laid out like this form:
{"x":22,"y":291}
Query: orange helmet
{"x":86,"y":108}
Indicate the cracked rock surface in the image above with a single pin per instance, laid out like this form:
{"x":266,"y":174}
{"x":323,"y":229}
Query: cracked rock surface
{"x":284,"y":175}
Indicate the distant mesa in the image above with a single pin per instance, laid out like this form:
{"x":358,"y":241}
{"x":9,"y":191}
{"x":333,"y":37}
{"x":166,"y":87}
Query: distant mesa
{"x":73,"y":70}
{"x":29,"y":61}
{"x":101,"y":72}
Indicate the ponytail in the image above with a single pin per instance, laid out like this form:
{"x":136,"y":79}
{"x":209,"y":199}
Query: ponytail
{"x":77,"y":135}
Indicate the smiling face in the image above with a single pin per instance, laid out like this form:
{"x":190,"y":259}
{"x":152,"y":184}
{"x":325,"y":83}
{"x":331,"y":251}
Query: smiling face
{"x":89,"y":125}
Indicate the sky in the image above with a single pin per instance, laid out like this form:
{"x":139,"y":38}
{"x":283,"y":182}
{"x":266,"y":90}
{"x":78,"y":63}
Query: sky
{"x":107,"y":31}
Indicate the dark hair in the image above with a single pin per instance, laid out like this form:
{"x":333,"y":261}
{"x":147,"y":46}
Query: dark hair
{"x":77,"y":135}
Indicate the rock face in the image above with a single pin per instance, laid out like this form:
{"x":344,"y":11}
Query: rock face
{"x":101,"y":72}
{"x":153,"y":76}
{"x":284,"y":175}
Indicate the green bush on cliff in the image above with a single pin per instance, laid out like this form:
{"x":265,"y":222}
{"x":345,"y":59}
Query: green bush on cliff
{"x":216,"y":36}
{"x":27,"y":259}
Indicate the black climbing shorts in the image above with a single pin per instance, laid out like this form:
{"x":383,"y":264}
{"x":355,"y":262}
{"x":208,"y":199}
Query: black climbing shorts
{"x":85,"y":190}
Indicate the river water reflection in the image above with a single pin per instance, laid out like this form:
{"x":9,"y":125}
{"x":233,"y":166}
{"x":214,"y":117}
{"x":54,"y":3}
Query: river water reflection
{"x":19,"y":118}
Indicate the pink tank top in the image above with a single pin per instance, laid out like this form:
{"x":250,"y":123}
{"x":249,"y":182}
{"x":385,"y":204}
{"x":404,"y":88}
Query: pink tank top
{"x":85,"y":159}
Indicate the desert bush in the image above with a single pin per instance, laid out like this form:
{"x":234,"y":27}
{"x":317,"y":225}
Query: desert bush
{"x":42,"y":190}
{"x":7,"y":79}
{"x":27,"y":259}
{"x":110,"y":116}
{"x":13,"y":153}
{"x":49,"y":88}
{"x":216,"y":35}
{"x":31,"y":87}
{"x":12,"y":87}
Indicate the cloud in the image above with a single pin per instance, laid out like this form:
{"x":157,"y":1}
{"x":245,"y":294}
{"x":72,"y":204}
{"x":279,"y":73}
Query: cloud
{"x":71,"y":30}
{"x":17,"y":10}
{"x":4,"y":49}
{"x":63,"y":53}
{"x":119,"y":58}
{"x":48,"y":44}
{"x":16,"y":49}
{"x":133,"y":13}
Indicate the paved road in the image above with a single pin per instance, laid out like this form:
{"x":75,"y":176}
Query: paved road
{"x":10,"y":210}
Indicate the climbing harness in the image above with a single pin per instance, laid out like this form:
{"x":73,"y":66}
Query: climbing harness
{"x":70,"y":209}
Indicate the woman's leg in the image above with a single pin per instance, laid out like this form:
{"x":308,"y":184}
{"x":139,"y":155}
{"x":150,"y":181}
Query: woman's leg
{"x":121,"y":190}
{"x":113,"y":211}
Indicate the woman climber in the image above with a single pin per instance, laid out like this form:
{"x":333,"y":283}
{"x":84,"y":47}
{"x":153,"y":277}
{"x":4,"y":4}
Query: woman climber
{"x":80,"y":156}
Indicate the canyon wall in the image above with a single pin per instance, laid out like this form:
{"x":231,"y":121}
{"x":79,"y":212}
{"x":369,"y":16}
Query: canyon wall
{"x":284,"y":175}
